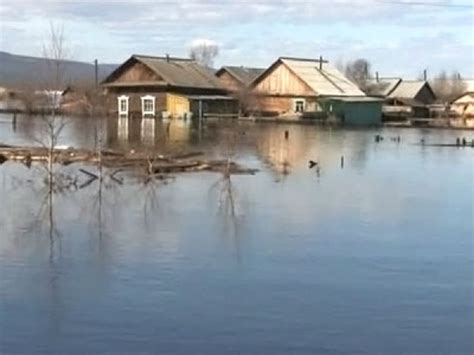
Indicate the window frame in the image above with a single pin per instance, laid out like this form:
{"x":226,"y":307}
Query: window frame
{"x":152,"y":110}
{"x":298,"y":102}
{"x":123,"y":99}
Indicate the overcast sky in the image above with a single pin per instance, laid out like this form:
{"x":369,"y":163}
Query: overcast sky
{"x":398,"y":37}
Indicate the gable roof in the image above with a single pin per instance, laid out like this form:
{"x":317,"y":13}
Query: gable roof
{"x":382,"y":87}
{"x":179,"y":72}
{"x":327,"y":81}
{"x":465,"y":97}
{"x":409,"y":89}
{"x":244,"y":75}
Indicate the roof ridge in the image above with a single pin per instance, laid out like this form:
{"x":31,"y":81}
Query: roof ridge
{"x":163,"y":57}
{"x":317,"y":60}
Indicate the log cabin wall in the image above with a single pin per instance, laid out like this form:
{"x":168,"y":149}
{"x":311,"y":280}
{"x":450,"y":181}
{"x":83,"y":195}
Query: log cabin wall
{"x":277,"y":105}
{"x":229,"y":82}
{"x":135,"y":102}
{"x":137,"y":72}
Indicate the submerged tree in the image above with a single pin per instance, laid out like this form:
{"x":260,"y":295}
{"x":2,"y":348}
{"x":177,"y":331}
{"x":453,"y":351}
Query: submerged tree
{"x":204,"y":52}
{"x":55,"y":52}
{"x":359,"y":71}
{"x":448,"y":87}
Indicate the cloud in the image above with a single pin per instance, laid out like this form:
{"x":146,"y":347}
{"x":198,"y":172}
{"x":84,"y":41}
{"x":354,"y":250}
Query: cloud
{"x":249,"y":32}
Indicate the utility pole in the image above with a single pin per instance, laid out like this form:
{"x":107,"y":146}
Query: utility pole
{"x":96,"y":68}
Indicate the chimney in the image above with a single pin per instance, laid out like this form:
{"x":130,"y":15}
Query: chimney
{"x":167,"y":57}
{"x":320,"y":62}
{"x":377,"y":76}
{"x":425,"y":75}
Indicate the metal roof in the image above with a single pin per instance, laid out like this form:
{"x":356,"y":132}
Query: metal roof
{"x":408,"y":89}
{"x":327,"y":81}
{"x":357,"y":99}
{"x":243,"y":74}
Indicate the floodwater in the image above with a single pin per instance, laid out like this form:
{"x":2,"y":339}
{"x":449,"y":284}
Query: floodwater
{"x":372,"y":257}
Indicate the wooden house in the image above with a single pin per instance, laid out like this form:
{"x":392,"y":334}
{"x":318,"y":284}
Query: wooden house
{"x":301,"y":88}
{"x":75,"y":101}
{"x":403,"y":98}
{"x":463,"y":105}
{"x":147,"y":86}
{"x":235,"y":79}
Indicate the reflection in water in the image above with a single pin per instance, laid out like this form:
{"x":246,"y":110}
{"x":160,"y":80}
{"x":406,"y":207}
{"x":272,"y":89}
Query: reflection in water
{"x":148,"y":131}
{"x":372,"y":260}
{"x":122,"y":130}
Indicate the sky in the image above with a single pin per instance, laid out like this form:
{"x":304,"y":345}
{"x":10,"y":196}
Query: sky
{"x":398,"y":37}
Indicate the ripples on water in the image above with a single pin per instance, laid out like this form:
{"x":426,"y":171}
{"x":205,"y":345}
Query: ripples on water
{"x":372,"y":258}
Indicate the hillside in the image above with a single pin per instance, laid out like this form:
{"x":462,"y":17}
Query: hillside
{"x":19,"y":70}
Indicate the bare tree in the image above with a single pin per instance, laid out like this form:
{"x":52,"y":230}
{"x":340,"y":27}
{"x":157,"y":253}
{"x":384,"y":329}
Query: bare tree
{"x":204,"y":52}
{"x":359,"y":71}
{"x":448,"y":87}
{"x":54,"y":51}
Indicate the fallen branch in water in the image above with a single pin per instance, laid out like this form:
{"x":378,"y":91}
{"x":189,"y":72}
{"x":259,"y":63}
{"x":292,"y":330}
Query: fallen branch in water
{"x":154,"y":164}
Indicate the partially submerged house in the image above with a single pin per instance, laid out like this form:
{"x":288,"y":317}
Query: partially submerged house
{"x":147,"y":86}
{"x":235,"y":79}
{"x":311,"y":88}
{"x":12,"y":100}
{"x":463,"y":105}
{"x":403,"y":98}
{"x":75,"y":101}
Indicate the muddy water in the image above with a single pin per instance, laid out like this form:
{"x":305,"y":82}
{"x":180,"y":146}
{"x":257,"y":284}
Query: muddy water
{"x":373,"y":257}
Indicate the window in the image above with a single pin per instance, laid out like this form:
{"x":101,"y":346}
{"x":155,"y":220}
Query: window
{"x":148,"y":105}
{"x":123,"y":105}
{"x":299,"y":105}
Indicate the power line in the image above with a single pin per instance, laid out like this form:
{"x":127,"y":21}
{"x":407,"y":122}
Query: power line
{"x":425,"y":3}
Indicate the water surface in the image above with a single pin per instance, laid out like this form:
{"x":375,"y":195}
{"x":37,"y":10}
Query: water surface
{"x":375,"y":257}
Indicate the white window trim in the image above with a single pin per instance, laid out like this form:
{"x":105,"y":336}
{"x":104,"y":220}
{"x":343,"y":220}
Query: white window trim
{"x":152,"y":111}
{"x":120,"y":99}
{"x":295,"y":101}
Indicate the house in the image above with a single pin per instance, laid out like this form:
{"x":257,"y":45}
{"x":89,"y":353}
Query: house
{"x":147,"y":86}
{"x":301,"y":88}
{"x":381,"y":87}
{"x":412,"y":97}
{"x":11,"y":100}
{"x":418,"y":91}
{"x":235,"y":79}
{"x":75,"y":101}
{"x":403,"y":98}
{"x":463,"y":105}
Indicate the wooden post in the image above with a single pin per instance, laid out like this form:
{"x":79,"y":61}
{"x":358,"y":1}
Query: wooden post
{"x":200,"y":115}
{"x":96,"y":68}
{"x":287,"y":135}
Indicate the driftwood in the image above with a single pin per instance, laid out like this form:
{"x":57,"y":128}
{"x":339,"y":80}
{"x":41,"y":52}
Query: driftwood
{"x":152,"y":163}
{"x":468,"y":145}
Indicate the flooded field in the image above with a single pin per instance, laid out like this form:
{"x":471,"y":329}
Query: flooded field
{"x":372,"y":256}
